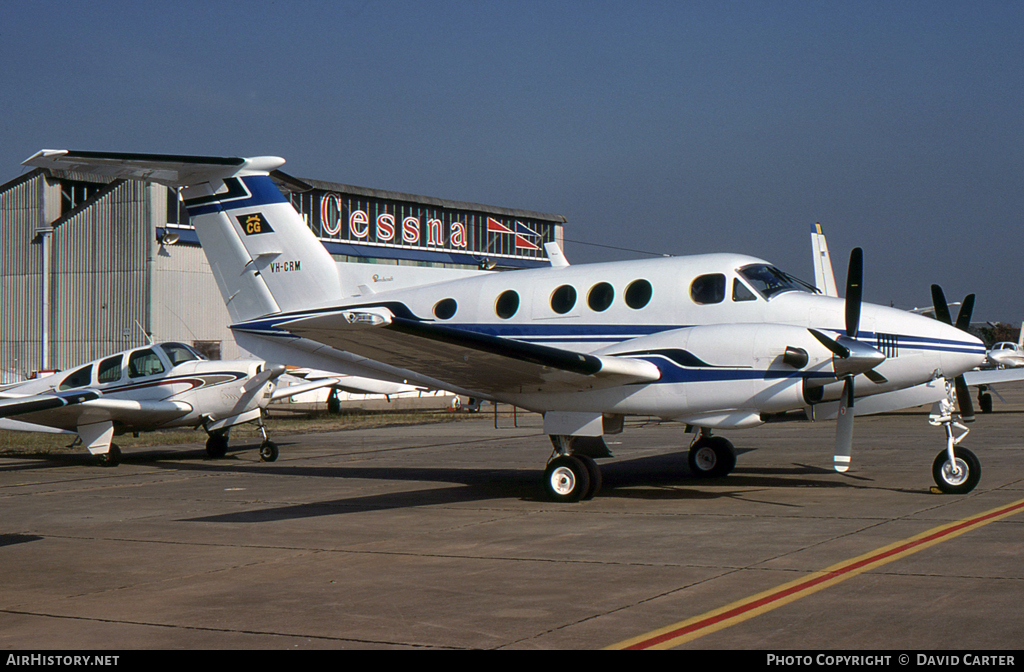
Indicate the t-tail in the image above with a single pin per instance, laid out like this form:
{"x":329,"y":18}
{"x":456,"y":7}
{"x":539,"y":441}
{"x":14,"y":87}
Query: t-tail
{"x":265,"y":259}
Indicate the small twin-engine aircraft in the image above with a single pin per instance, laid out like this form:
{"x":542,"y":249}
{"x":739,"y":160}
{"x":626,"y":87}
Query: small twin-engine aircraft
{"x":157,"y":386}
{"x":716,"y":341}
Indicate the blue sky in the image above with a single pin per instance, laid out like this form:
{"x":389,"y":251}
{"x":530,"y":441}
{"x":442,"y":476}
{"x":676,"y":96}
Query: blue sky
{"x":667,"y":127}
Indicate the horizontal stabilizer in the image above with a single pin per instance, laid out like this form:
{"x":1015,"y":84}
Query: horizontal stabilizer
{"x":167,"y":169}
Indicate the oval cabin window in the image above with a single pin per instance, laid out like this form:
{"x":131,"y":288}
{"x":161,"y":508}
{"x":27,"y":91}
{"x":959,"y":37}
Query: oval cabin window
{"x":507,"y":304}
{"x":638,"y":294}
{"x":563,"y":299}
{"x":445,"y":309}
{"x":600,"y":297}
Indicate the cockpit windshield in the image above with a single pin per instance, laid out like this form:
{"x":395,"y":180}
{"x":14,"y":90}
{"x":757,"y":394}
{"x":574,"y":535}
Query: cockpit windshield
{"x":179,"y":352}
{"x":769,"y":281}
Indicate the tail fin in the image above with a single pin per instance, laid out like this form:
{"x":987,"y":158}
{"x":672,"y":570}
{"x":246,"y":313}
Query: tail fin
{"x":264,"y":258}
{"x":824,"y":279}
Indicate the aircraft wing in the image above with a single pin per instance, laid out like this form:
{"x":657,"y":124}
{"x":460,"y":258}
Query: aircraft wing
{"x":69,"y":410}
{"x":993,"y":376}
{"x":468,"y":359}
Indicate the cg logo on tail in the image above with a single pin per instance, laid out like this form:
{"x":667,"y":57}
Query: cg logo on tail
{"x":253,"y":224}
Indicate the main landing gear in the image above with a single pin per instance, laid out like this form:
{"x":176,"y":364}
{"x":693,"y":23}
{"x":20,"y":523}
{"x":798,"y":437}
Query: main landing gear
{"x":711,"y":456}
{"x":570,"y":477}
{"x":956,"y":469}
{"x":217,"y":444}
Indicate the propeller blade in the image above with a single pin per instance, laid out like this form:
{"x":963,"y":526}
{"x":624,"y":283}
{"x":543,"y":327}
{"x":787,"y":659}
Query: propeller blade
{"x":844,"y":429}
{"x":963,"y":399}
{"x":854,"y":291}
{"x":963,"y":318}
{"x":875,"y":377}
{"x":940,"y":305}
{"x":837,"y":348}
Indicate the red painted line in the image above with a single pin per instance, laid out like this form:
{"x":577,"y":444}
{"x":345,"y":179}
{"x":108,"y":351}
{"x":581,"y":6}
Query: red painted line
{"x":810,"y":583}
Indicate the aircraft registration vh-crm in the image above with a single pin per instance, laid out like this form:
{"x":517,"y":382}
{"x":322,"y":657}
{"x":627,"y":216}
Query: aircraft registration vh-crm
{"x":716,"y":341}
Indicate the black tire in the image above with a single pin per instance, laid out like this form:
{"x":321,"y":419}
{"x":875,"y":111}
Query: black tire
{"x":985,"y":402}
{"x":566,"y":479}
{"x":956,"y":484}
{"x":217,"y":446}
{"x":594,"y":472}
{"x":111,"y":458}
{"x":711,"y":457}
{"x":268,"y":451}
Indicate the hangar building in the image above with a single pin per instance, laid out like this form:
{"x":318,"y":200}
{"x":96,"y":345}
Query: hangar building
{"x":89,"y":267}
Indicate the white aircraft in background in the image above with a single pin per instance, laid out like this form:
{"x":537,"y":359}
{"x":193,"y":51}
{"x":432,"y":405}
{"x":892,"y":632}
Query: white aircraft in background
{"x":1007,"y":354}
{"x":158,"y":386}
{"x":717,"y":341}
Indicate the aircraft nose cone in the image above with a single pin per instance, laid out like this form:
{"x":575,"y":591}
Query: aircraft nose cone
{"x":961,"y":352}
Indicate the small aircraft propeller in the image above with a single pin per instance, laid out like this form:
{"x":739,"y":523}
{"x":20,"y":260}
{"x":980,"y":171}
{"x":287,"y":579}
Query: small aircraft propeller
{"x":963,"y":322}
{"x":851,"y":358}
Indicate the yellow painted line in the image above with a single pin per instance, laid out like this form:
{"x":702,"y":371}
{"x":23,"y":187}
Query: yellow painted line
{"x":737,"y":612}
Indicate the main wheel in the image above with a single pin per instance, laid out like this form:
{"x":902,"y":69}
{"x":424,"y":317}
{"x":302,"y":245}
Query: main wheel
{"x":594,"y":472}
{"x":268,"y":451}
{"x":960,"y":480}
{"x":566,"y":479}
{"x":112,"y":457}
{"x":985,"y":401}
{"x":217,"y":446}
{"x":711,"y":457}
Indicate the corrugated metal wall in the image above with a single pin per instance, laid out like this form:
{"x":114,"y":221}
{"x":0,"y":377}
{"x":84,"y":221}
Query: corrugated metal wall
{"x":22,"y":208}
{"x":101,"y":285}
{"x":187,"y":305}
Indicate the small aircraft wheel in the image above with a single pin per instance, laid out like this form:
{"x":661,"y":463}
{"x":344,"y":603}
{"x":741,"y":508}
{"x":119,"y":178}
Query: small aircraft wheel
{"x":985,"y":401}
{"x":711,"y":457}
{"x":594,"y":472}
{"x":959,"y":480}
{"x":567,"y":479}
{"x":112,"y":457}
{"x":268,"y":451}
{"x":217,"y":446}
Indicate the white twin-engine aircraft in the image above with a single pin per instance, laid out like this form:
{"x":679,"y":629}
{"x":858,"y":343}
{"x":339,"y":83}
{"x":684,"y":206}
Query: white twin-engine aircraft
{"x":717,"y":341}
{"x":158,"y":386}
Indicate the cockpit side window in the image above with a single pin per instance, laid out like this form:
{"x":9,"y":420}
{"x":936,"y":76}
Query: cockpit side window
{"x":178,"y":353}
{"x":144,"y":363}
{"x":110,"y":369}
{"x":740,"y":291}
{"x":708,"y":288}
{"x":79,"y":378}
{"x":769,"y":281}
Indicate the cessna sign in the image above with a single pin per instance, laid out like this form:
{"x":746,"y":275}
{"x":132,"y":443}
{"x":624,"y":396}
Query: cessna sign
{"x":467,"y":233}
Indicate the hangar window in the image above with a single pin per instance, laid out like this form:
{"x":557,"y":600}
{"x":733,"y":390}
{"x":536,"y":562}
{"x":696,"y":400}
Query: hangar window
{"x":144,"y":363}
{"x":507,"y":304}
{"x":445,"y":309}
{"x":708,"y":288}
{"x":740,"y":291}
{"x":110,"y":369}
{"x":638,"y":294}
{"x":80,"y":378}
{"x":563,"y":299}
{"x":600,"y":297}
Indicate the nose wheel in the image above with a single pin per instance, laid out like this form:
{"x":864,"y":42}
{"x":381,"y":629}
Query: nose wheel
{"x":959,"y":476}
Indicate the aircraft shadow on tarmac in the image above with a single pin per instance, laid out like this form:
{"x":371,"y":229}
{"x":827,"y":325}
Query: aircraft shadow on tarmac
{"x":658,"y":477}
